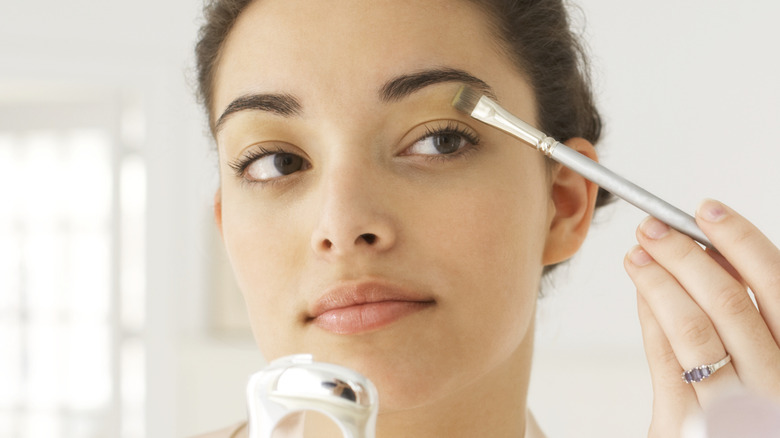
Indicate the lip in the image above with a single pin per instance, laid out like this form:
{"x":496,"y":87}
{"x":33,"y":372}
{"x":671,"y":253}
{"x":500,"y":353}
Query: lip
{"x":358,"y":307}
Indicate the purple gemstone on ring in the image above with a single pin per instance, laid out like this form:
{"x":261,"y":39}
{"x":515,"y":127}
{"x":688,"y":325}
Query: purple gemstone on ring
{"x":696,"y":375}
{"x":705,"y":372}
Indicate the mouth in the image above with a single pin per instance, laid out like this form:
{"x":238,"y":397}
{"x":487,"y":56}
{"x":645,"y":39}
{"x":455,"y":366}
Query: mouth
{"x":352,"y":308}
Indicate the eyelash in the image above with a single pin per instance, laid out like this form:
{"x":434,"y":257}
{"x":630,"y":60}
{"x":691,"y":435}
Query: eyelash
{"x":451,"y":128}
{"x":240,"y":165}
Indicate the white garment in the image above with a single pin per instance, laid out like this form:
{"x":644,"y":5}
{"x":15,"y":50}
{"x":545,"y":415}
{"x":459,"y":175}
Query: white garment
{"x":532,"y":430}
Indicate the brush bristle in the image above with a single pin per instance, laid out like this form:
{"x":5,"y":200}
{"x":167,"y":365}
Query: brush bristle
{"x":466,"y":99}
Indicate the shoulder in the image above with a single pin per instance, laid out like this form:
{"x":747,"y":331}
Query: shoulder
{"x":235,"y":431}
{"x":532,"y":429}
{"x":240,"y":430}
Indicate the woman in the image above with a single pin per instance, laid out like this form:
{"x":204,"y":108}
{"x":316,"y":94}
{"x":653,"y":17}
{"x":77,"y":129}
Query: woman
{"x":372,"y":225}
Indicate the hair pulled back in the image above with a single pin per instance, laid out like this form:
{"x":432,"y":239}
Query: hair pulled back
{"x":535,"y":34}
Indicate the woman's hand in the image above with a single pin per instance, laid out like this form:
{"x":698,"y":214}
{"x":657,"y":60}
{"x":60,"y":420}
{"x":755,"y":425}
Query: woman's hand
{"x":694,"y":309}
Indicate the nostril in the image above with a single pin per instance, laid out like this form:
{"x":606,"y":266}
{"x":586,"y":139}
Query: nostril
{"x":332,"y":245}
{"x":368,"y":238}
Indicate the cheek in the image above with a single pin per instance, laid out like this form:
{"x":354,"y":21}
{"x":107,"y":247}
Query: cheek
{"x":485,"y":245}
{"x":479,"y":243}
{"x":497,"y":242}
{"x":262,"y":248}
{"x":496,"y":229}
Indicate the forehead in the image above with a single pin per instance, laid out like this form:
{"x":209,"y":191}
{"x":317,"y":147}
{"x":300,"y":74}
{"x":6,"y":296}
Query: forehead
{"x":321,"y":48}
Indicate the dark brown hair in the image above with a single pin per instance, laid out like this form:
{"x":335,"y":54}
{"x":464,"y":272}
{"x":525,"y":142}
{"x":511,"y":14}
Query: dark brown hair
{"x":535,"y":34}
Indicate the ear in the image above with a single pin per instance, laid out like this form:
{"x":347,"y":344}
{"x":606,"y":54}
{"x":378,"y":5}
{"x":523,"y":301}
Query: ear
{"x":218,"y":210}
{"x":574,"y":200}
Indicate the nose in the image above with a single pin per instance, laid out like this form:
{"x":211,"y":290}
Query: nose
{"x":355,"y":216}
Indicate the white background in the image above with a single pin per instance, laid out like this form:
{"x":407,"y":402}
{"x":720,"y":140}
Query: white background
{"x":691,"y":98}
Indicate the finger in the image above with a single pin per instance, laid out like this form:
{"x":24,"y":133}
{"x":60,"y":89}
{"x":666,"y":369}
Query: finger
{"x":673,"y":401}
{"x":690,"y":332}
{"x":750,"y":252}
{"x":731,"y":270}
{"x":725,"y":301}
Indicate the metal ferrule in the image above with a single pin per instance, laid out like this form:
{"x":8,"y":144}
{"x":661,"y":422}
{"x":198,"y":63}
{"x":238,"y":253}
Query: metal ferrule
{"x":491,"y":113}
{"x":547,"y":146}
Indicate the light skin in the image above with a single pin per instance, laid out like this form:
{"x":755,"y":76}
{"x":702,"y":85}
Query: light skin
{"x":370,"y":199}
{"x":470,"y":230}
{"x":694,"y":308}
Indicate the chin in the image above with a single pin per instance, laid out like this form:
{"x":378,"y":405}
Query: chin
{"x":404,"y":381}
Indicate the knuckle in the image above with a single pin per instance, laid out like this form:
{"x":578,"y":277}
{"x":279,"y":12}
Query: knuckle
{"x":733,"y":301}
{"x":696,"y":332}
{"x":687,"y":251}
{"x":653,"y":283}
{"x":659,"y":279}
{"x":744,"y":236}
{"x":772,"y":273}
{"x":645,"y":280}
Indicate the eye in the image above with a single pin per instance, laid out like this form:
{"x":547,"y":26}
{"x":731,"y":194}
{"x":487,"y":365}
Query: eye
{"x":443,"y":140}
{"x":264,"y":165}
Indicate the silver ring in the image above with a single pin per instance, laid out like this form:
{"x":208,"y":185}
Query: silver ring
{"x":698,"y":374}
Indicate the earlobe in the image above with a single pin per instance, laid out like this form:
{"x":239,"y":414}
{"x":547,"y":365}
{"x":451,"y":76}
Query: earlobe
{"x":573,"y":201}
{"x":218,"y":210}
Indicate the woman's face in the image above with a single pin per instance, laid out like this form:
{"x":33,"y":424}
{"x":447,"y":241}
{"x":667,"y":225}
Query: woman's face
{"x":368,"y":222}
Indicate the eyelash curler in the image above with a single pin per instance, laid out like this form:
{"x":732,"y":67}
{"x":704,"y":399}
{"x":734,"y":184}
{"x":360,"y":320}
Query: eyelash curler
{"x":294,"y":384}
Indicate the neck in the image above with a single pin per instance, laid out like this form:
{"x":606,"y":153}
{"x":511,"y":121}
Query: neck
{"x":493,"y":405}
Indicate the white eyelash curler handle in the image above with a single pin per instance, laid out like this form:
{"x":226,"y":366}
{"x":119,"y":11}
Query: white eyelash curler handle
{"x":295,"y":384}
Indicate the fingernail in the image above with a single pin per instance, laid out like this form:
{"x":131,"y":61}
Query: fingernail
{"x":639,"y":256}
{"x":711,"y":210}
{"x":653,"y":228}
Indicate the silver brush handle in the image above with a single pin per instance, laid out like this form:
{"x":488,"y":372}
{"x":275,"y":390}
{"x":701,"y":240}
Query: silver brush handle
{"x":490,"y":112}
{"x":632,"y":193}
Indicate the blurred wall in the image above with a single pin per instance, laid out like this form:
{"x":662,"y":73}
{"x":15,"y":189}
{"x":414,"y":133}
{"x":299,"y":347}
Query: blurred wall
{"x":690,"y":96}
{"x":139,"y":52}
{"x":691,"y":100}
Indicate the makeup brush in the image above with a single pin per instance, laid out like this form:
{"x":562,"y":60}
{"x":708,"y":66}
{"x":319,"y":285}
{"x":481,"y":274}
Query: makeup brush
{"x":486,"y":110}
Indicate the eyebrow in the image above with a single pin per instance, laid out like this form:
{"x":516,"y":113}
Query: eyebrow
{"x":282,"y":104}
{"x":393,"y":90}
{"x":404,"y":85}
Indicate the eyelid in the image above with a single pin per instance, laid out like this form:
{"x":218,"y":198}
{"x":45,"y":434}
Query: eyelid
{"x":252,"y":154}
{"x":432,"y":127}
{"x":261,"y":150}
{"x":443,"y":126}
{"x":453,"y":128}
